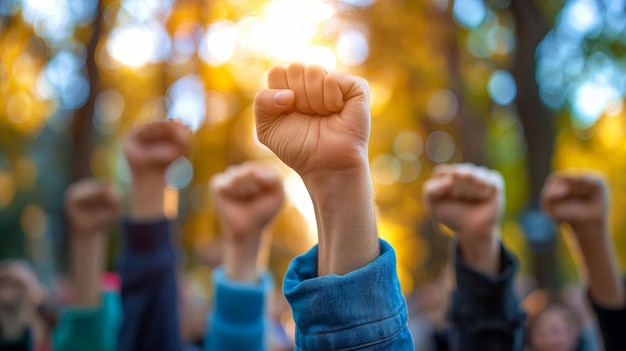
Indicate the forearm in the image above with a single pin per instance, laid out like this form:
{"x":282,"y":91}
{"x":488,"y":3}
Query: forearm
{"x":603,"y":272}
{"x":244,"y":258}
{"x":87,"y":262}
{"x":343,"y":202}
{"x":147,"y":200}
{"x":481,"y":252}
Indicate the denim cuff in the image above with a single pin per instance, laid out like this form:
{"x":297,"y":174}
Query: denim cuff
{"x":362,"y":308}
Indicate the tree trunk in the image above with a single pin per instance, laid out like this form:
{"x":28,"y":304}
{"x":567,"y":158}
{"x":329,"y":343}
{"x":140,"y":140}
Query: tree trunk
{"x":538,"y":124}
{"x":82,"y":129}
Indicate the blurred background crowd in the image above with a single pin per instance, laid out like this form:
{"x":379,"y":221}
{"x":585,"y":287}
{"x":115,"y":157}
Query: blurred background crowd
{"x":524,"y":87}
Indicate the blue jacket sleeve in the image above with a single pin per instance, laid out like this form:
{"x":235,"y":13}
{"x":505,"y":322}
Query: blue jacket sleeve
{"x":239,"y":321}
{"x":94,"y":329}
{"x":362,"y":310}
{"x":149,"y":291}
{"x":486,"y":314}
{"x":612,"y":324}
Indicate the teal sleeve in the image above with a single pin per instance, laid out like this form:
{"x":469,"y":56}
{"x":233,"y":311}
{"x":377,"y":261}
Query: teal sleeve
{"x":95,"y":329}
{"x":239,"y":321}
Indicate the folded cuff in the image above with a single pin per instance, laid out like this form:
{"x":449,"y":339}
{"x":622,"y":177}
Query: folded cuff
{"x":364,"y":307}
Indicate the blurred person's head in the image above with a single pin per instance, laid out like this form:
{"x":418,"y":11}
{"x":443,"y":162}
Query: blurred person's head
{"x":552,"y":325}
{"x":20,"y":297}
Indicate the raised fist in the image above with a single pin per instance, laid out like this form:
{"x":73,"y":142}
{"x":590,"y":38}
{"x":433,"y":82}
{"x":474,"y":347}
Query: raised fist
{"x":247,"y":197}
{"x":466,"y":198}
{"x":314,"y":120}
{"x":580,"y":200}
{"x":91,"y":206}
{"x":154,"y":146}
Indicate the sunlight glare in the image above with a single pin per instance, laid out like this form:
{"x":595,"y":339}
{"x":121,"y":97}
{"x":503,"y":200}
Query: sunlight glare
{"x":220,"y":42}
{"x":303,"y":18}
{"x":352,"y":48}
{"x":320,"y":55}
{"x":187,"y":101}
{"x":299,"y":196}
{"x":590,"y":101}
{"x":137,"y":45}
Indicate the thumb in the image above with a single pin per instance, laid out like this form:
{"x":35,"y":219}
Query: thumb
{"x":270,"y":103}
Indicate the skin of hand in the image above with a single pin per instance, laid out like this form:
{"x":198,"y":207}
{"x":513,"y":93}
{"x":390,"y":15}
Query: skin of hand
{"x":318,"y":123}
{"x":247,"y":198}
{"x":313,"y":119}
{"x":469,"y":200}
{"x":580,"y":198}
{"x":20,"y":294}
{"x":149,"y":150}
{"x":91,"y":208}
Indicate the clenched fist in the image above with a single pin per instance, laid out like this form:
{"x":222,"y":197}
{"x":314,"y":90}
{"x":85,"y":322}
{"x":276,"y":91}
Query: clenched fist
{"x":580,"y":200}
{"x":247,"y":198}
{"x":149,"y":150}
{"x":314,"y":120}
{"x":91,"y":206}
{"x":465,"y":198}
{"x":153,"y":147}
{"x":469,"y":200}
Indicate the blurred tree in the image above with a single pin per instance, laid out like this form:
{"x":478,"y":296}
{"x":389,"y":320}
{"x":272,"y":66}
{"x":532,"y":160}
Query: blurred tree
{"x":82,"y":128}
{"x":505,"y":83}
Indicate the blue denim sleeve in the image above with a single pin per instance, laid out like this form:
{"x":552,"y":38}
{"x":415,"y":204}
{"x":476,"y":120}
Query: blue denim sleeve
{"x":486,"y":314}
{"x":95,"y":329}
{"x":149,"y":291}
{"x":612,"y":324}
{"x":239,"y":321}
{"x":363,"y":309}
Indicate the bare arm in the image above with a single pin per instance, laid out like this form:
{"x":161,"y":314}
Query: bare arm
{"x":247,"y":197}
{"x":91,"y":208}
{"x":581,"y":200}
{"x":468,"y":199}
{"x":318,"y":123}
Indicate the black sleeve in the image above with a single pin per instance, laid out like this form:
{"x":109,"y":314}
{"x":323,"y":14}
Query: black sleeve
{"x":612,"y":324}
{"x":486,"y":314}
{"x":21,"y":344}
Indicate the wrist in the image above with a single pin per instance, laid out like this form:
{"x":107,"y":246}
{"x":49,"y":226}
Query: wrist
{"x":243,"y":256}
{"x":481,"y":252}
{"x":589,"y":232}
{"x":147,"y":196}
{"x":323,"y":177}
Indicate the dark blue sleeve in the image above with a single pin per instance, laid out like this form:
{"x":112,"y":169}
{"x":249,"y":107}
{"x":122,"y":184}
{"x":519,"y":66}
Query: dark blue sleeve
{"x":612,"y":326}
{"x":486,"y":314}
{"x":149,"y":292}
